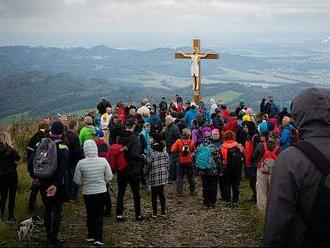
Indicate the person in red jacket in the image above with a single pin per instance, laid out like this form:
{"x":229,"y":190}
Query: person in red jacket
{"x":185,"y":146}
{"x":225,"y":113}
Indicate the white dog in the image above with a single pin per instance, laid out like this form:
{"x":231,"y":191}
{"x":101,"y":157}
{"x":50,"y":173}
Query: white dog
{"x":27,"y":226}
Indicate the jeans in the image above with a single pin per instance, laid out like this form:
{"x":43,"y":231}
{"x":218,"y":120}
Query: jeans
{"x":173,"y":166}
{"x":33,"y":197}
{"x":8,"y":187}
{"x":134,"y":181}
{"x":232,"y":180}
{"x":95,"y":209}
{"x":210,"y":185}
{"x":52,"y":211}
{"x":183,"y":170}
{"x":158,"y":191}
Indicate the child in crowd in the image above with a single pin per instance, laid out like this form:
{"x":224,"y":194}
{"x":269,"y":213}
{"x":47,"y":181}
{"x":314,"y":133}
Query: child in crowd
{"x":157,"y":172}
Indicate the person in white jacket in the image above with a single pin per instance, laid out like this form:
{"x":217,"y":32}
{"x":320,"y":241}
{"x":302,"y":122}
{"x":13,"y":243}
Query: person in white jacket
{"x":93,"y":173}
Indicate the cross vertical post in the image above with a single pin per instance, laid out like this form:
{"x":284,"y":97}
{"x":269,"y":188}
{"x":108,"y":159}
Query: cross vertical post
{"x":195,"y":57}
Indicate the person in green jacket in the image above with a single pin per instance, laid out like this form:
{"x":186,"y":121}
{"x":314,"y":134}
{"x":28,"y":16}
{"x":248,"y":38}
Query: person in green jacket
{"x":88,"y":131}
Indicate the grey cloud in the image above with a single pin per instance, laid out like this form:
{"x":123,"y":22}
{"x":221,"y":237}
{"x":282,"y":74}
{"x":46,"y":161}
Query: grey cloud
{"x":159,"y":17}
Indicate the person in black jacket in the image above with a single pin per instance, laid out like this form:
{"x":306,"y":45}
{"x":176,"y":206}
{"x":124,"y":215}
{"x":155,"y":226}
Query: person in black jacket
{"x":75,"y":154}
{"x":52,"y":188}
{"x":101,"y":107}
{"x":115,"y":128}
{"x":43,"y":131}
{"x":296,"y":180}
{"x":132,"y":175}
{"x":8,"y":175}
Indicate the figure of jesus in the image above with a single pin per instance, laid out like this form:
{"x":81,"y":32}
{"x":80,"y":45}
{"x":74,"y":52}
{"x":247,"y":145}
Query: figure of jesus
{"x":195,"y":64}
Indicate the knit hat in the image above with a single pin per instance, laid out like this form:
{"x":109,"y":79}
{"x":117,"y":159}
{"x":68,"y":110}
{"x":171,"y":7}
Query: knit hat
{"x":57,"y":128}
{"x":246,"y":118}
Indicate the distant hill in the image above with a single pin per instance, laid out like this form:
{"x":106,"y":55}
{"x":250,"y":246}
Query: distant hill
{"x":39,"y":80}
{"x":104,"y":62}
{"x":39,"y":93}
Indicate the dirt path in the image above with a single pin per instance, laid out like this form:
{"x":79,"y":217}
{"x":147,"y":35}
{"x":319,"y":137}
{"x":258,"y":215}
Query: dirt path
{"x":188,"y":224}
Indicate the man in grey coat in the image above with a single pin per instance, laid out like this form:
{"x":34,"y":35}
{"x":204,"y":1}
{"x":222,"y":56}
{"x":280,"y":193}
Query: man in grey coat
{"x":296,"y":180}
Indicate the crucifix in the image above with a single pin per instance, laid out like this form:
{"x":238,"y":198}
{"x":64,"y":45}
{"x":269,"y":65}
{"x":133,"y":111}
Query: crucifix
{"x":196,"y":57}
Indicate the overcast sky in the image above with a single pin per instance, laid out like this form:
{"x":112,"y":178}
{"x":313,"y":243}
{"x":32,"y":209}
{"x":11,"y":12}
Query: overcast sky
{"x":92,"y":22}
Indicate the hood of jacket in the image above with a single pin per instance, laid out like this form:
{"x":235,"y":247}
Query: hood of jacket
{"x":229,"y":144}
{"x":90,"y":149}
{"x":311,"y":112}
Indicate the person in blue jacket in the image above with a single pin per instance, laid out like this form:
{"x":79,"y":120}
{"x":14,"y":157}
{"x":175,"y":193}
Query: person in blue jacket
{"x":191,"y":115}
{"x":286,"y":133}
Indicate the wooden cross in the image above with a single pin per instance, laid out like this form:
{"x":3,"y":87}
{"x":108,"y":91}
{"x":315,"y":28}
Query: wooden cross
{"x":195,"y":66}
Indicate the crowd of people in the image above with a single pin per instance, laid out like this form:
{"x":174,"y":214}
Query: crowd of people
{"x":153,"y":145}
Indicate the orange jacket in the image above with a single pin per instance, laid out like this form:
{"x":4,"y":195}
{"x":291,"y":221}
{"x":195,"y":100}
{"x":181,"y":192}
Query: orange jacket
{"x":177,"y":148}
{"x":225,"y":147}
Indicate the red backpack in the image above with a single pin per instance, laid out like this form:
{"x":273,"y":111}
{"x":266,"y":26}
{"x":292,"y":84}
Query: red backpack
{"x":267,"y":162}
{"x":116,"y":158}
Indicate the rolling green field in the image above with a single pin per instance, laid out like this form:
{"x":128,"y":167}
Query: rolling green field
{"x":225,"y":96}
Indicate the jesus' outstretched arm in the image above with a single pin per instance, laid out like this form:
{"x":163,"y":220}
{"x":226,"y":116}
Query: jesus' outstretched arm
{"x":184,"y":55}
{"x":205,"y":55}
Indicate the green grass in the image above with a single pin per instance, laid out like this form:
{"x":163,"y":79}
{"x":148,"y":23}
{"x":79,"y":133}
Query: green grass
{"x":8,"y":230}
{"x":241,"y":75}
{"x":226,"y":96}
{"x":252,"y":212}
{"x":14,"y":118}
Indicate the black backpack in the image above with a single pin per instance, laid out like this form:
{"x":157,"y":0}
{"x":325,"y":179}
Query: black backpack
{"x":235,"y":159}
{"x":185,"y":149}
{"x":318,"y":231}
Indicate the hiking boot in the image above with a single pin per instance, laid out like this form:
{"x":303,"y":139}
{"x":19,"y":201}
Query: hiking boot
{"x":120,"y":218}
{"x":98,"y":243}
{"x":139,"y":218}
{"x":89,"y":240}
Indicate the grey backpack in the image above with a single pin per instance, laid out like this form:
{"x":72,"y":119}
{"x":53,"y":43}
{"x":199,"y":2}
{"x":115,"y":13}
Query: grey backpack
{"x":45,"y":159}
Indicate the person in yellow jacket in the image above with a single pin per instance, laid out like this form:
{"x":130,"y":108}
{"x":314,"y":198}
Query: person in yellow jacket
{"x":105,"y":120}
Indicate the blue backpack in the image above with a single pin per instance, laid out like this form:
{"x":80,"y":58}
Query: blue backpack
{"x":204,"y":158}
